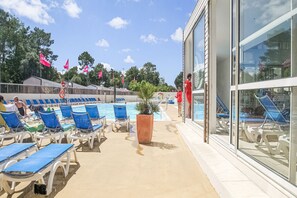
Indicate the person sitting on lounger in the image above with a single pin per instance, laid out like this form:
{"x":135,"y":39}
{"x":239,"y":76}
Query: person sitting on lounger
{"x":2,"y":108}
{"x":22,"y":108}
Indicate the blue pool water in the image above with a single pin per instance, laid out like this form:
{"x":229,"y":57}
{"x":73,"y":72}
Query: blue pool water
{"x":107,"y":110}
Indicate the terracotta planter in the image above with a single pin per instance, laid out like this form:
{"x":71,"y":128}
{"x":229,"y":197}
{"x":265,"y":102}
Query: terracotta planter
{"x":145,"y":125}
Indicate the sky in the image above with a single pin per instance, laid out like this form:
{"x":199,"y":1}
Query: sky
{"x":117,"y":33}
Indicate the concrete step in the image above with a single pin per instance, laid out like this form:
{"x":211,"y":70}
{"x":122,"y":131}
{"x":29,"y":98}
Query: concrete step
{"x":228,"y":180}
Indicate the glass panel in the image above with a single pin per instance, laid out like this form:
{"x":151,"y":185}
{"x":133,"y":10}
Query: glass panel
{"x":255,"y":14}
{"x":264,"y":125}
{"x":294,"y":4}
{"x":233,"y":67}
{"x":198,"y":80}
{"x":199,"y":109}
{"x":285,"y":142}
{"x":233,"y":22}
{"x":233,"y":118}
{"x":268,"y":56}
{"x":188,"y":61}
{"x":222,"y":126}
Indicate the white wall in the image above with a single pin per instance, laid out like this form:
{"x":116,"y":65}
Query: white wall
{"x":223,"y":82}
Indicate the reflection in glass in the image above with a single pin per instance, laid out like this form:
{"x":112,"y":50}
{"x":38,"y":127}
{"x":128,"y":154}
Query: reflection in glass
{"x":267,"y":57}
{"x":233,"y":118}
{"x":233,"y":22}
{"x":294,"y":4}
{"x":233,"y":67}
{"x":264,"y":125}
{"x":255,"y":14}
{"x":222,"y":116}
{"x":198,"y":80}
{"x":198,"y":110}
{"x":290,"y":147}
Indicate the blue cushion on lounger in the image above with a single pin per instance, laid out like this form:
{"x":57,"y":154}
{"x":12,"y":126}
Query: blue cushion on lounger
{"x":13,"y":150}
{"x":39,"y":160}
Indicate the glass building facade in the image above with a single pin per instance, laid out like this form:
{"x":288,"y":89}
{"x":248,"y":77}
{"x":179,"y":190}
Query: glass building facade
{"x":254,"y":81}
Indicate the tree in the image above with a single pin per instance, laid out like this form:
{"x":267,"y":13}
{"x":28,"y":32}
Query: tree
{"x":12,"y":38}
{"x":131,"y":75}
{"x":179,"y":81}
{"x":134,"y":85}
{"x":149,"y":74}
{"x":40,"y":42}
{"x":85,"y":59}
{"x":68,"y":75}
{"x":104,"y":80}
{"x":19,"y":50}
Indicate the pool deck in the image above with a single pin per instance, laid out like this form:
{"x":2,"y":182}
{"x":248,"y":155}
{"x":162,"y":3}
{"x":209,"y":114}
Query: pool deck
{"x":117,"y":167}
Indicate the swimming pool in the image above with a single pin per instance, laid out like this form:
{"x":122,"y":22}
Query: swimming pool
{"x":107,"y":110}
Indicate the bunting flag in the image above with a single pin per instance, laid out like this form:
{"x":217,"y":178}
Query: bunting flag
{"x":66,"y":66}
{"x":123,"y":80}
{"x":99,"y":74}
{"x":86,"y":69}
{"x":43,"y":61}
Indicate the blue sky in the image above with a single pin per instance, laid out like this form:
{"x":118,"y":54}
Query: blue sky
{"x":117,"y":33}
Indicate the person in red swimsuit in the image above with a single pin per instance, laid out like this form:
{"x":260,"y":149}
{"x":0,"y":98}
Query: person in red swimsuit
{"x":188,"y":91}
{"x":179,"y":97}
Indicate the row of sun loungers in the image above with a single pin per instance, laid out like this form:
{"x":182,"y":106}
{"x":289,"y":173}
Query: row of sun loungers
{"x":55,"y":130}
{"x":56,"y":101}
{"x":23,"y":162}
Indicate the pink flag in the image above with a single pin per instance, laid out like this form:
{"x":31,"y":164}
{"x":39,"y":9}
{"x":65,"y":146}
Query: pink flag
{"x":123,"y":81}
{"x":99,"y":74}
{"x":66,"y":66}
{"x":43,"y":61}
{"x":86,"y":69}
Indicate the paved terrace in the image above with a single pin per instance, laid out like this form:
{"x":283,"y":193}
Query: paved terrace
{"x":118,"y":168}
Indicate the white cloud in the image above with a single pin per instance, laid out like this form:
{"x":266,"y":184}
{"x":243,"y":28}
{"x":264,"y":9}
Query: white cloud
{"x":126,"y":50}
{"x":270,"y":10}
{"x":102,"y":43}
{"x":160,"y":20}
{"x":149,"y":38}
{"x":34,"y":10}
{"x":118,"y":23}
{"x":177,"y":35}
{"x":128,"y":59}
{"x":163,"y":39}
{"x":72,"y":9}
{"x":107,"y":66}
{"x":53,"y":4}
{"x":125,"y":1}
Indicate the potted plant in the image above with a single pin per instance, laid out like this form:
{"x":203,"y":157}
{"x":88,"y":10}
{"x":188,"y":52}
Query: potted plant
{"x":146,"y":108}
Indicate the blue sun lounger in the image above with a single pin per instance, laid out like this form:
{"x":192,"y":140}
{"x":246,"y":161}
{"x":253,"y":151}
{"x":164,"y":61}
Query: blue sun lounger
{"x":53,"y":130}
{"x":66,"y":111}
{"x":274,"y":116}
{"x":94,"y":113}
{"x":37,"y":165}
{"x":28,"y":102}
{"x":17,"y":128}
{"x":85,"y":130}
{"x":120,"y":114}
{"x":41,"y":102}
{"x":35,"y":102}
{"x":12,"y":153}
{"x":223,"y":114}
{"x":52,"y":101}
